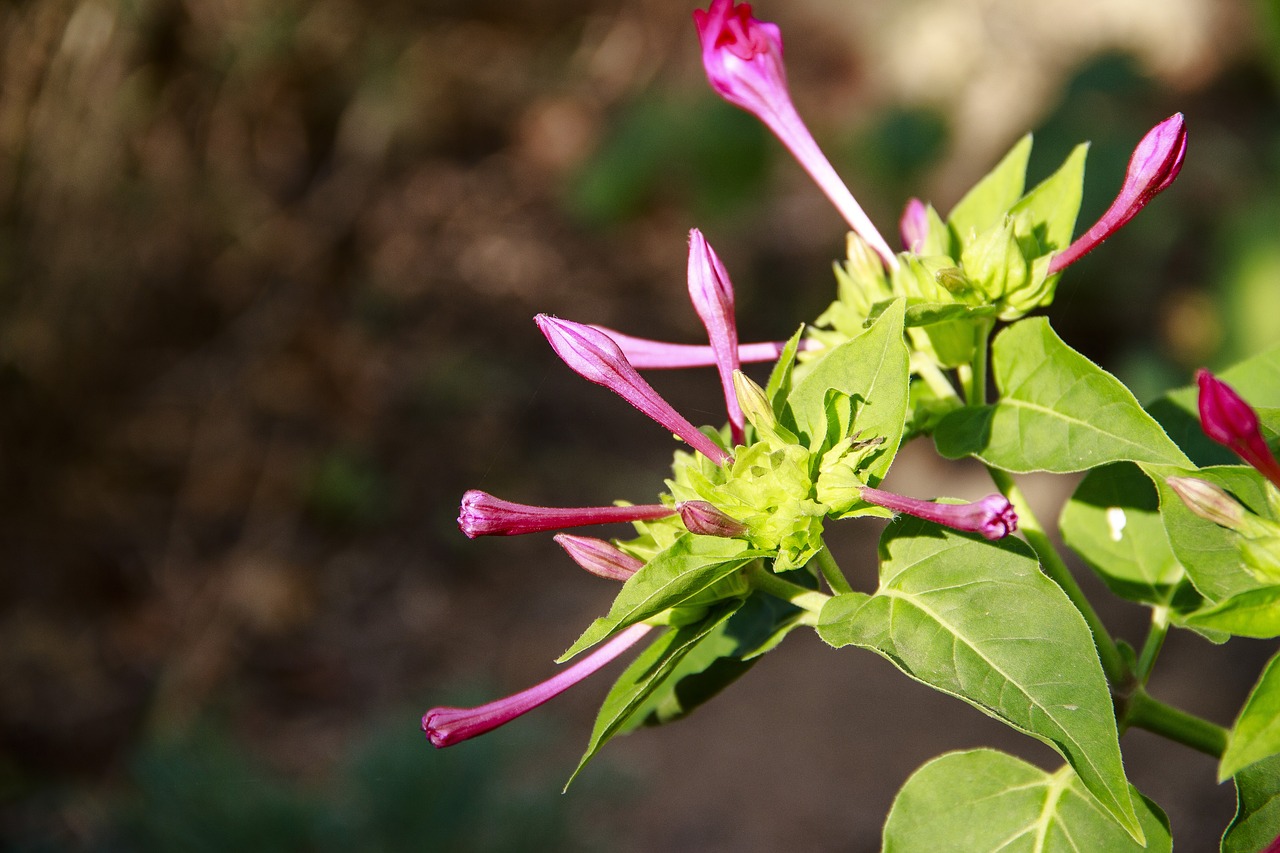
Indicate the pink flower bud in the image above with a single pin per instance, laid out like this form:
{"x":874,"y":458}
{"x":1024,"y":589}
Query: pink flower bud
{"x":706,"y":519}
{"x":1230,"y":421}
{"x":1154,"y":164}
{"x":993,"y":516}
{"x":646,"y":354}
{"x":712,"y":296}
{"x":743,"y":60}
{"x":599,"y":557}
{"x":594,"y":356}
{"x":1208,"y":501}
{"x":914,"y":225}
{"x":481,"y":514}
{"x":447,"y":726}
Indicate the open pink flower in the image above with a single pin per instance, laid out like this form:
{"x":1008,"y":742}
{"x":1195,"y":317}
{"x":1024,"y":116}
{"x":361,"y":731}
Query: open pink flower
{"x":1230,"y":421}
{"x":743,"y":60}
{"x":593,"y":355}
{"x":447,"y":726}
{"x":1154,"y":164}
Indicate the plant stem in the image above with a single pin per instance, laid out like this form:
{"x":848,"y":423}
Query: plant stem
{"x":976,"y":389}
{"x":1154,"y":642}
{"x":806,"y":599}
{"x":831,"y":571}
{"x":1113,"y":663}
{"x":1143,"y":712}
{"x":932,"y":375}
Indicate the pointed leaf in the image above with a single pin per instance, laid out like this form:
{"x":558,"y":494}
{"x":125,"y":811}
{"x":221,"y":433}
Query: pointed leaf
{"x":1256,"y":734}
{"x":979,"y":621}
{"x":686,"y":568}
{"x":1058,"y":412}
{"x":1253,"y":613}
{"x":871,"y":369}
{"x":1257,"y":820}
{"x":1048,"y":212}
{"x":1113,"y":521}
{"x":780,"y":377}
{"x":991,"y":197}
{"x":983,"y":801}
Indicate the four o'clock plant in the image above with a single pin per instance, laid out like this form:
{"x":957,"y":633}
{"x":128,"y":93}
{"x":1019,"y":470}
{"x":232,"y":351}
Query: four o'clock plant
{"x":940,"y":343}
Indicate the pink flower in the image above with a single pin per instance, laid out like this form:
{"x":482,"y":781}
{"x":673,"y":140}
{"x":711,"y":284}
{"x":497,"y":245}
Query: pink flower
{"x":646,"y":354}
{"x":447,"y":726}
{"x":1154,"y":164}
{"x":712,"y":296}
{"x":481,"y":514}
{"x":914,"y":225}
{"x":993,"y":516}
{"x":706,"y":519}
{"x":599,"y":557}
{"x":594,"y":356}
{"x":743,"y":61}
{"x":1230,"y":421}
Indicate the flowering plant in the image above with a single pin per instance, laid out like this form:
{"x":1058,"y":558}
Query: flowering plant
{"x":731,"y":557}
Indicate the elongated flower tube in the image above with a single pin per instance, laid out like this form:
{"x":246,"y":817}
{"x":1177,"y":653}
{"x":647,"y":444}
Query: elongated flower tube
{"x":594,"y":356}
{"x":447,"y":726}
{"x":481,"y":514}
{"x":706,"y":519}
{"x":993,"y":516}
{"x":599,"y":557}
{"x":1154,"y":164}
{"x":1230,"y":421}
{"x":647,"y":354}
{"x":914,"y":225}
{"x":712,"y":295}
{"x":743,"y":60}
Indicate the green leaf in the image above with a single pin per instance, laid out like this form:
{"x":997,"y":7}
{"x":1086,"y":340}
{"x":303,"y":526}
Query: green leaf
{"x":872,"y":370}
{"x":1254,"y":613}
{"x":984,"y":801}
{"x":1256,"y":734}
{"x":1257,"y":820}
{"x":930,"y":313}
{"x":649,"y":670}
{"x":992,"y":196}
{"x":1048,"y":212}
{"x":979,"y":621}
{"x":689,"y":566}
{"x":1113,"y":521}
{"x":1209,"y":553}
{"x":779,"y":386}
{"x":1058,"y":412}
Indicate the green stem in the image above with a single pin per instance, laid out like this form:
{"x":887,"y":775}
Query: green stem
{"x":1143,"y":712}
{"x":1154,"y":642}
{"x":831,"y":572}
{"x":976,"y":390}
{"x":806,"y":599}
{"x":1113,"y":663}
{"x":932,"y":375}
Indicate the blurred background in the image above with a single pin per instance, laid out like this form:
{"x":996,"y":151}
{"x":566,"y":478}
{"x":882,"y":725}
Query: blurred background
{"x":267,"y":274}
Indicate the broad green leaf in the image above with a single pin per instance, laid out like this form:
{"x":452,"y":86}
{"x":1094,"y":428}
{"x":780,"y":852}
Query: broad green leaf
{"x":686,"y":568}
{"x":992,"y":196}
{"x":1257,"y":820}
{"x":984,"y":801}
{"x":1058,"y":412}
{"x":1113,"y":522}
{"x":645,"y":674}
{"x":1209,"y":553}
{"x":1048,"y":212}
{"x":1256,"y":379}
{"x":979,"y":621}
{"x":872,"y":370}
{"x":1256,"y":734}
{"x":780,"y":377}
{"x":1253,"y":613}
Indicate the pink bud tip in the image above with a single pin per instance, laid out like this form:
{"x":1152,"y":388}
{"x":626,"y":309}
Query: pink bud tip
{"x":706,"y":519}
{"x":712,"y":295}
{"x":599,"y":557}
{"x":993,"y":516}
{"x":593,"y":355}
{"x":914,"y":225}
{"x":481,"y":514}
{"x":1229,"y":420}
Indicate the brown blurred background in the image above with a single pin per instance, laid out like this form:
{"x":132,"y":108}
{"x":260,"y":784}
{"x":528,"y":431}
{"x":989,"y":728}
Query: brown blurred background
{"x":267,"y":274}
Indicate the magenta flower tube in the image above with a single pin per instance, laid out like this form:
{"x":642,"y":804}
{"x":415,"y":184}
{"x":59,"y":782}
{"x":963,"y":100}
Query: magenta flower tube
{"x":594,"y":356}
{"x":743,"y":60}
{"x":1154,"y":164}
{"x":993,"y":516}
{"x":1230,"y":421}
{"x":481,"y":514}
{"x":599,"y":557}
{"x":647,"y":354}
{"x":447,"y":726}
{"x":712,"y":295}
